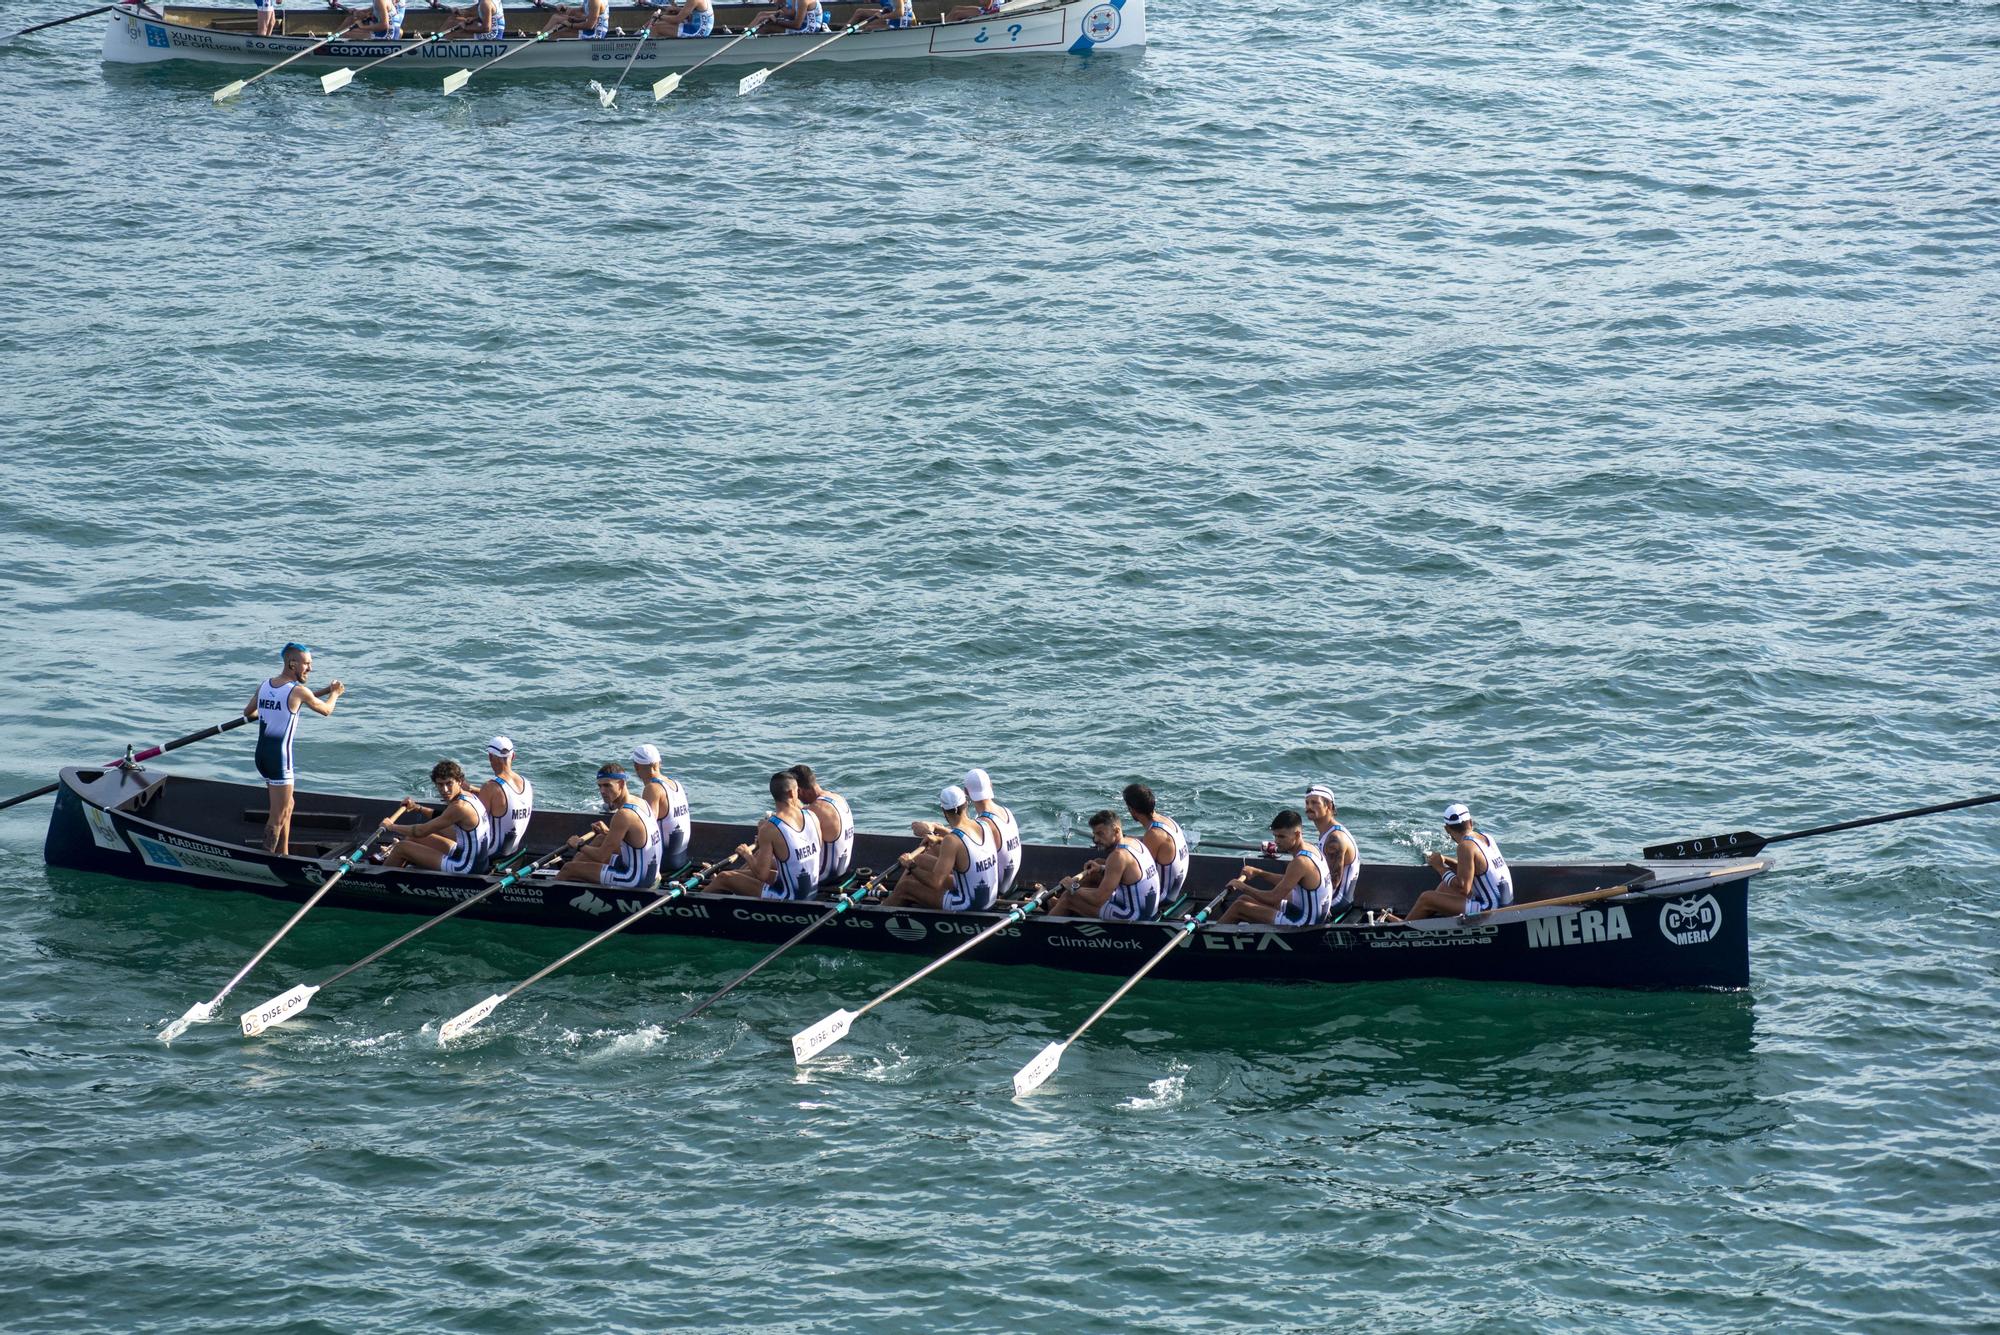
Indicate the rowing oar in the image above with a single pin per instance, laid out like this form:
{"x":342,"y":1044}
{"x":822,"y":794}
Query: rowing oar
{"x":57,"y":23}
{"x":282,"y":1008}
{"x":605,"y":99}
{"x":339,"y":79}
{"x":229,"y":90}
{"x":1747,"y":842}
{"x":817,"y":1038}
{"x":131,"y":759}
{"x":204,"y":1011}
{"x":750,"y":83}
{"x":673,"y":81}
{"x":840,"y":906}
{"x":462,"y":1023}
{"x":454,"y":82}
{"x":1644,"y":881}
{"x":1031,"y":1077}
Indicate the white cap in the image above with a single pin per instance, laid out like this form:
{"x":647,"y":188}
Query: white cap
{"x":500,"y":746}
{"x":646,"y":754}
{"x":951,"y":799}
{"x":1319,"y":790}
{"x":978,"y":786}
{"x":1457,"y":814}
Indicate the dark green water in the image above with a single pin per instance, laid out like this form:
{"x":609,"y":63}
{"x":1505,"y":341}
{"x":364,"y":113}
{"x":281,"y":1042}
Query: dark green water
{"x":1586,"y":412}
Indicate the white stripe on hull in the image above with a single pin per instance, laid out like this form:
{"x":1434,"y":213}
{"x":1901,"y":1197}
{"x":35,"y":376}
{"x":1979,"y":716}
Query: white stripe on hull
{"x":1091,"y":25}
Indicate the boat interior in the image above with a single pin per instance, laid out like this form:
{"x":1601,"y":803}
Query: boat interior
{"x":327,"y":825}
{"x":301,"y":20}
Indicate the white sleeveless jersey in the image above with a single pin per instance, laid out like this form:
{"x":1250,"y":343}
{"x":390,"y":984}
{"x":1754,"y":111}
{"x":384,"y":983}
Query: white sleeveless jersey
{"x":1303,"y":907}
{"x":974,"y":889}
{"x":798,"y":874}
{"x":1350,"y":875}
{"x":1009,"y":830}
{"x":1494,"y":887}
{"x":1173,"y":873}
{"x":1139,"y":901}
{"x":277,"y":721}
{"x":679,"y":826}
{"x":835,"y":858}
{"x":633,"y":868}
{"x":469,"y":847}
{"x":510,"y":827}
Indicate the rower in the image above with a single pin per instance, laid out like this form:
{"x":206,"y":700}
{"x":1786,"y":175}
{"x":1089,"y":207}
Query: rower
{"x":960,"y":872}
{"x":267,"y":17}
{"x":275,"y":706}
{"x":668,"y":800}
{"x":1475,"y":881}
{"x":979,"y":788}
{"x":388,"y":22}
{"x":1163,"y":839}
{"x":509,"y":800}
{"x":695,"y":17}
{"x":886,"y":14}
{"x":591,"y":21}
{"x":1336,"y":845}
{"x":1122,"y":886}
{"x":456,"y":839}
{"x":626,"y":853}
{"x":793,"y":16}
{"x":836,"y":825}
{"x":984,"y":9}
{"x":784,"y":861}
{"x":488,"y":15}
{"x":1298,"y":896}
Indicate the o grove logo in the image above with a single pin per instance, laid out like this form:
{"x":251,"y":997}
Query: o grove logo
{"x":1691,"y":921}
{"x":905,"y":928}
{"x":1101,"y":24}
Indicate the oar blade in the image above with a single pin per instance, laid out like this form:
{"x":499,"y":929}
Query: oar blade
{"x":454,"y":82}
{"x":815,"y":1039}
{"x":750,"y":83}
{"x":227,"y":91}
{"x":1036,"y":1073}
{"x":334,"y":82}
{"x":1741,"y":844}
{"x":458,"y":1026}
{"x":277,"y":1010}
{"x":665,"y":86}
{"x":199,"y":1013}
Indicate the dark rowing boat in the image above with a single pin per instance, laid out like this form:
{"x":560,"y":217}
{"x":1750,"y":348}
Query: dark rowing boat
{"x":1686,"y":926}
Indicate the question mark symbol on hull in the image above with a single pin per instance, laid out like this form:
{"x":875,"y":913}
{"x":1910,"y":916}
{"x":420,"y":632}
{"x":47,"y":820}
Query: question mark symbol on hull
{"x":1013,"y":32}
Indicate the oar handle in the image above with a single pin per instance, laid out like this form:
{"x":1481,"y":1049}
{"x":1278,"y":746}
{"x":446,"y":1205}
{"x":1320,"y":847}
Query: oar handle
{"x":134,"y":758}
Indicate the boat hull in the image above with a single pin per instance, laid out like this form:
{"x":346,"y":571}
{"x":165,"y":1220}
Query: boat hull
{"x":138,"y":38}
{"x":1688,"y":932}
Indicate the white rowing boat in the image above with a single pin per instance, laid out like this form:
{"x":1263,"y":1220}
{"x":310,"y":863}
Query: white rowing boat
{"x":140,"y":34}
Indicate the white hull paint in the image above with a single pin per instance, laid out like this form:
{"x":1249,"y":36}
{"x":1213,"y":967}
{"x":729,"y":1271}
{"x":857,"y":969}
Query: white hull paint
{"x":137,"y":38}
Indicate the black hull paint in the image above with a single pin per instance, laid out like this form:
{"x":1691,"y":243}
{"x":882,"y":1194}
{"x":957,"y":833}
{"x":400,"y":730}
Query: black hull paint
{"x":1690,"y":932}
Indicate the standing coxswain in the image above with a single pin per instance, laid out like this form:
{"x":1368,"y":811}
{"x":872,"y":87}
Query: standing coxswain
{"x":1163,"y":838}
{"x":626,"y":854}
{"x":1336,"y":845}
{"x":668,"y":800}
{"x":836,"y":825}
{"x":457,"y":839}
{"x":1475,"y":881}
{"x":1298,"y":896}
{"x":509,"y":800}
{"x":275,"y":706}
{"x":784,"y":861}
{"x":267,"y":17}
{"x":957,"y":868}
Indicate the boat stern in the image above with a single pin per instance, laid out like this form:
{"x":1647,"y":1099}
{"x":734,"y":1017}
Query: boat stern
{"x":1110,"y":25}
{"x":133,"y":38}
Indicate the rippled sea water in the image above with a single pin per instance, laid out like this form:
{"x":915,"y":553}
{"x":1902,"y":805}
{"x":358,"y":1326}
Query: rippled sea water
{"x":1584,"y":411}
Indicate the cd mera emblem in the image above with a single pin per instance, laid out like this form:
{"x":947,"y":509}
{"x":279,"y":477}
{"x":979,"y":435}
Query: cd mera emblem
{"x":1691,"y":921}
{"x":1101,"y":23}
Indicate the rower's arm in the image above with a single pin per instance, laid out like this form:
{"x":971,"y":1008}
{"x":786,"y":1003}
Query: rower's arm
{"x":493,"y":798}
{"x":303,"y":694}
{"x":453,"y":816}
{"x":250,"y":710}
{"x":765,"y":854}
